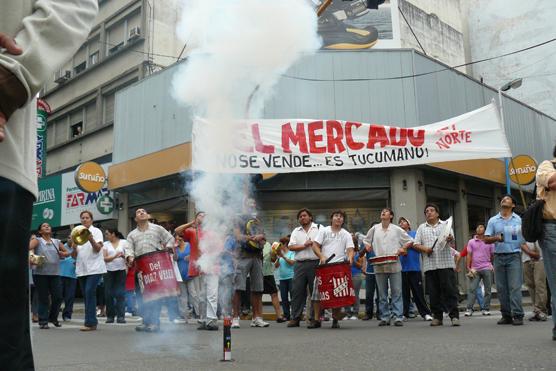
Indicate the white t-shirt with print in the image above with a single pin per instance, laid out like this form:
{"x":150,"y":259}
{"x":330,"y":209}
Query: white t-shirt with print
{"x":336,"y":243}
{"x":88,"y":261}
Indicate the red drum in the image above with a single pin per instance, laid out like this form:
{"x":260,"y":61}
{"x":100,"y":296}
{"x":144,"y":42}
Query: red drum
{"x":334,"y":285}
{"x":384,"y":259}
{"x":156,"y":276}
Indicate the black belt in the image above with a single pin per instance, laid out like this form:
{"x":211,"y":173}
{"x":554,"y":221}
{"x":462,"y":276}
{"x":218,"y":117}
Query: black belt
{"x":549,"y":221}
{"x":507,"y":253}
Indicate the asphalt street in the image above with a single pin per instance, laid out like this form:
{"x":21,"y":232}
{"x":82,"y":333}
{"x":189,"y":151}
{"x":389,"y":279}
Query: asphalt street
{"x":479,"y":344}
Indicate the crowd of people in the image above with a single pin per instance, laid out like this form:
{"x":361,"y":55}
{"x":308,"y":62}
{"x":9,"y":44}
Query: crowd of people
{"x":406,"y":272}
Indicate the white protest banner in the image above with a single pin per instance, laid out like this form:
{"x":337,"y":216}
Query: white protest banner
{"x":295,"y":145}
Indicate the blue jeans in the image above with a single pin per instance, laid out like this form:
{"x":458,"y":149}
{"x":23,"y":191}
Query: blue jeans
{"x":89,"y":289}
{"x":285,"y":293}
{"x":508,"y":272}
{"x":68,"y":292}
{"x":172,"y":306}
{"x":395,"y":280}
{"x":474,"y":290}
{"x":548,"y":246}
{"x":151,"y":312}
{"x":370,"y":289}
{"x":130,"y":302}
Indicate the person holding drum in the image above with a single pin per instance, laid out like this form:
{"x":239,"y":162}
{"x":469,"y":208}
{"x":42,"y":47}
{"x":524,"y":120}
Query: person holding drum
{"x":144,"y":244}
{"x":47,"y":276}
{"x":249,"y":262}
{"x":388,"y":242}
{"x":438,"y":265}
{"x":333,"y":244}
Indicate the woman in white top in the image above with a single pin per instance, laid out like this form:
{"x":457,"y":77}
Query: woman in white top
{"x":47,"y":276}
{"x":89,"y":268}
{"x":114,"y":278}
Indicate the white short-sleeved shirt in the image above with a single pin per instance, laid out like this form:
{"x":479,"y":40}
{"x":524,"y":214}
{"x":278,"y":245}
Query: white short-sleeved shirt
{"x":334,"y":243}
{"x":88,"y":261}
{"x":387,"y":242}
{"x":299,"y":237}
{"x":119,"y":263}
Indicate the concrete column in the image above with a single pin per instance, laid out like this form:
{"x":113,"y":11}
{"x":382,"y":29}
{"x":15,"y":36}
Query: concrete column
{"x":461,"y":230}
{"x":496,"y":196}
{"x":123,"y":214}
{"x":190,"y":209}
{"x":407,"y":188}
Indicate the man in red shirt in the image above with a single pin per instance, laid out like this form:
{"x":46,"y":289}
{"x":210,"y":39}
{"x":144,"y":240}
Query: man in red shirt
{"x":205,"y":286}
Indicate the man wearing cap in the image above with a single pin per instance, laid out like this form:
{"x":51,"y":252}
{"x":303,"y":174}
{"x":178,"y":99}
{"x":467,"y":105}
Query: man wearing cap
{"x":504,"y":230}
{"x":438,"y":265}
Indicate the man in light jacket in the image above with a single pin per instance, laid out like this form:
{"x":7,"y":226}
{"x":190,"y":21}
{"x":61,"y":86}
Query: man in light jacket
{"x":36,"y":39}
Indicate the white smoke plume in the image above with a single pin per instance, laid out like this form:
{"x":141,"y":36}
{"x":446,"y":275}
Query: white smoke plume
{"x":236,"y":51}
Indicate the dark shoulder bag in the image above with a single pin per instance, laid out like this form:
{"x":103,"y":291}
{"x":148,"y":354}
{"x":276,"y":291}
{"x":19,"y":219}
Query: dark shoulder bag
{"x":531,"y":221}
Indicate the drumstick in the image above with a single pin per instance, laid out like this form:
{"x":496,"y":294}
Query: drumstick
{"x":323,"y":7}
{"x":330,"y":258}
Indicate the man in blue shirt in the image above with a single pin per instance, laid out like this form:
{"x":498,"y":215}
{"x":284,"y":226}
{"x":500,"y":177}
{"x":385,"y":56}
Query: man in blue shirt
{"x":504,"y":229}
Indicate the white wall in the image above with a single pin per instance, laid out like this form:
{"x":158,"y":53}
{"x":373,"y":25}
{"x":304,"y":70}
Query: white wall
{"x":501,"y":26}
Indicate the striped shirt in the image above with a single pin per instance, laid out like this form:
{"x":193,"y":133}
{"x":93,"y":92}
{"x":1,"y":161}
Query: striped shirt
{"x":152,"y":239}
{"x":441,"y":257}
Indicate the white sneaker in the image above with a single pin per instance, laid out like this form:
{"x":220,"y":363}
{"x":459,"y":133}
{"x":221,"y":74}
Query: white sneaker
{"x":346,"y":318}
{"x":428,"y":317}
{"x":235,"y":322}
{"x":468,"y":313}
{"x":353,"y":318}
{"x":258,"y":322}
{"x":486,"y":313}
{"x":179,"y":321}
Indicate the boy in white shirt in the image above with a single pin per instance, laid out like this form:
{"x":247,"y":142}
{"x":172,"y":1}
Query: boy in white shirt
{"x":332,"y":240}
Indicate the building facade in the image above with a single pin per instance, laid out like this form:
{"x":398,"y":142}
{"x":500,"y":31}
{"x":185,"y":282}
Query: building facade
{"x":130,"y":40}
{"x":151,"y":162}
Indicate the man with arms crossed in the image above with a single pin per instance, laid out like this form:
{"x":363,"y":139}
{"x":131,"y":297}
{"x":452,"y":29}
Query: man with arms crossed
{"x":301,"y":243}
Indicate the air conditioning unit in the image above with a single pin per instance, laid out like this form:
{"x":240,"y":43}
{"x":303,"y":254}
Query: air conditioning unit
{"x":62,"y":76}
{"x":134,"y":33}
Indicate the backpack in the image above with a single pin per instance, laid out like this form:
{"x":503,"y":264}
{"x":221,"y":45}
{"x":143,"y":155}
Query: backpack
{"x":531,"y":221}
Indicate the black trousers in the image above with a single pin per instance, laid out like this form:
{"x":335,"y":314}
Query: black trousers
{"x":303,"y":276}
{"x":50,"y":297}
{"x":114,"y":287}
{"x":412,"y":284}
{"x":16,"y":205}
{"x":442,"y":287}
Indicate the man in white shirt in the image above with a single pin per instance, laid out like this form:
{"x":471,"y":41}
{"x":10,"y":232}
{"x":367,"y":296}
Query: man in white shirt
{"x":387,"y":239}
{"x":336,"y":244}
{"x":301,"y":243}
